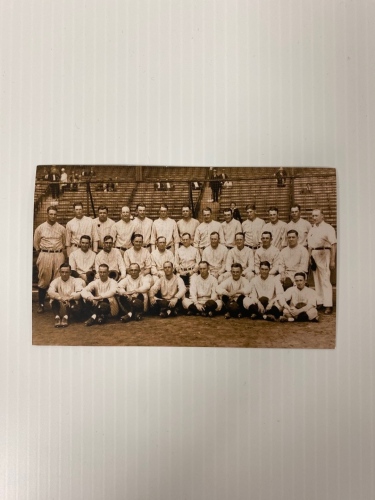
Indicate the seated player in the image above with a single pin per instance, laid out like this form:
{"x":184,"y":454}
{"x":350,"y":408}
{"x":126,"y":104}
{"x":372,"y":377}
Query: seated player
{"x":299,"y":301}
{"x":187,"y":259}
{"x":132,"y":293}
{"x":232,"y":291}
{"x":267,"y":252}
{"x":203,"y":298}
{"x":82,"y":260}
{"x":167,"y":292}
{"x":65,"y":295}
{"x":265,"y":290}
{"x":100,"y":296}
{"x":241,"y":254}
{"x":293,"y":259}
{"x":159,"y":256}
{"x":216,"y":255}
{"x":112,"y":258}
{"x":140,"y":255}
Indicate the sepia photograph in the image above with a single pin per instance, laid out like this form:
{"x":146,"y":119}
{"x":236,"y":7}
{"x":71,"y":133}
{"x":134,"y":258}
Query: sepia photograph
{"x":184,"y":256}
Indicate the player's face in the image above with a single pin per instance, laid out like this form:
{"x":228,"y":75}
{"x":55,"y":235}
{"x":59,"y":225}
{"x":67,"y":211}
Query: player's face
{"x":264,"y":272}
{"x":137,"y":243}
{"x":239,"y":241}
{"x":168,"y":269}
{"x":125,"y":214}
{"x":161,"y":244}
{"x":300,"y":282}
{"x":214,"y":238}
{"x":207,"y":216}
{"x":186,"y":241}
{"x":163,"y":213}
{"x":65,"y":273}
{"x":292,"y":240}
{"x":251,"y":214}
{"x":78,"y":210}
{"x":273,"y":215}
{"x":141,"y":212}
{"x":103,"y":273}
{"x":203,"y":269}
{"x":52,"y":216}
{"x":228,"y":216}
{"x":295,"y":214}
{"x":103,"y":215}
{"x":266,"y":240}
{"x":236,"y":273}
{"x":185,"y":213}
{"x":317,"y":216}
{"x":85,"y":244}
{"x":107,"y":245}
{"x":134,"y":271}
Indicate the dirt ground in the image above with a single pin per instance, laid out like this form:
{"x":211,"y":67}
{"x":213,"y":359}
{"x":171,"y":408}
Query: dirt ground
{"x":185,"y":331}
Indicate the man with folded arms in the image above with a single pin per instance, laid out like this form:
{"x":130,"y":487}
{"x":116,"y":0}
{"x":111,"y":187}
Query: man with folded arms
{"x":203,"y":298}
{"x":82,"y":260}
{"x":216,"y":255}
{"x":132,"y":294}
{"x":187,"y":259}
{"x":267,"y":252}
{"x":159,"y":257}
{"x":141,"y":256}
{"x":233,"y":292}
{"x":65,"y":294}
{"x":293,"y":259}
{"x":167,"y":292}
{"x":242,"y":255}
{"x":112,"y":258}
{"x":100,"y":296}
{"x":265,"y":290}
{"x":299,"y":302}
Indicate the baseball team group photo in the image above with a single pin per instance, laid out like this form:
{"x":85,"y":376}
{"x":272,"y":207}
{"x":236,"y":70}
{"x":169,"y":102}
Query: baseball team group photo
{"x":184,"y":256}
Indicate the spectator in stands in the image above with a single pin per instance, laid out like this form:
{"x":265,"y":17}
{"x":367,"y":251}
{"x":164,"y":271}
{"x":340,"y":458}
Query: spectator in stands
{"x":215,"y":185}
{"x":169,"y":290}
{"x":293,"y":259}
{"x":132,"y":294}
{"x":302,"y":226}
{"x":203,"y":299}
{"x":236,"y":212}
{"x":143,"y":225}
{"x":157,"y":185}
{"x":82,"y":260}
{"x":159,"y":256}
{"x":139,"y":255}
{"x":187,"y":224}
{"x":187,"y":259}
{"x":54,"y":178}
{"x":281,"y":176}
{"x":216,"y":255}
{"x":77,"y":227}
{"x":110,"y":185}
{"x":299,"y":302}
{"x":112,"y":258}
{"x":230,"y":227}
{"x":63,"y":180}
{"x":73,"y":178}
{"x":122,"y":230}
{"x":103,"y":224}
{"x":252,"y":227}
{"x":267,"y":252}
{"x":204,"y":230}
{"x":164,"y":226}
{"x":277,"y":228}
{"x":233,"y":291}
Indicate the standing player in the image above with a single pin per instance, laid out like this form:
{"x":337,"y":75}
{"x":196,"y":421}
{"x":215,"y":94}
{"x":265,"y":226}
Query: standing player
{"x":302,"y":226}
{"x":187,"y":224}
{"x":322,"y":248}
{"x":164,"y":226}
{"x":122,"y":231}
{"x":252,"y":228}
{"x":203,"y":298}
{"x":103,"y":225}
{"x":82,"y":260}
{"x":277,"y":228}
{"x":77,"y":227}
{"x":49,"y":241}
{"x":143,"y":225}
{"x":230,"y":227}
{"x":204,"y":230}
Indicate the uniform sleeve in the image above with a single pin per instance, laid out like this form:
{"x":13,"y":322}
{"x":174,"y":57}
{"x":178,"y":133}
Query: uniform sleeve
{"x":275,"y":264}
{"x":332,"y":235}
{"x":250,"y":261}
{"x":121,"y":286}
{"x":176,"y":236}
{"x":87,"y":291}
{"x":283,"y":237}
{"x":53,"y":292}
{"x":154,"y":269}
{"x":246,"y":287}
{"x":68,"y":235}
{"x":197,"y":237}
{"x":282,"y":265}
{"x":72,"y":261}
{"x":221,"y":234}
{"x":155,"y":288}
{"x":37,"y":238}
{"x":197,"y":260}
{"x":229,"y":261}
{"x":222,"y":289}
{"x":126,"y":259}
{"x":153,"y":234}
{"x":113,"y":233}
{"x":193,"y":291}
{"x":121,"y":263}
{"x":279,"y":288}
{"x":304,"y":264}
{"x":253,"y":291}
{"x":112,"y":289}
{"x":79,"y":284}
{"x":213,"y":288}
{"x":181,"y":288}
{"x":177,"y":260}
{"x":256,"y":262}
{"x":94,"y":232}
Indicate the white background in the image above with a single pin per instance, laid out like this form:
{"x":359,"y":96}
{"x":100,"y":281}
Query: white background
{"x":179,"y":82}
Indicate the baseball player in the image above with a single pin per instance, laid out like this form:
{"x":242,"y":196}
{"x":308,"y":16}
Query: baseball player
{"x":230,"y":227}
{"x":203,"y":298}
{"x":49,"y":241}
{"x":103,"y":225}
{"x":167,"y":292}
{"x":322,"y":248}
{"x":113,"y":258}
{"x":267,"y":252}
{"x":132,"y":294}
{"x":233,"y":291}
{"x":204,"y":230}
{"x":187,"y":224}
{"x":140,"y":255}
{"x":277,"y":228}
{"x":216,"y":255}
{"x":143,"y":225}
{"x":252,"y":227}
{"x":242,"y":255}
{"x":159,"y":257}
{"x":265,"y":290}
{"x":164,"y":226}
{"x":302,"y":226}
{"x":65,"y":293}
{"x":100,"y":296}
{"x":82,"y":260}
{"x":299,"y":302}
{"x":292,"y":259}
{"x":187,"y":259}
{"x":77,"y":227}
{"x":122,"y":231}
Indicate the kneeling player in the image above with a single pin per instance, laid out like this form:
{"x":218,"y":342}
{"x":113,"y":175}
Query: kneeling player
{"x":167,"y":292}
{"x":203,"y":296}
{"x":299,"y":301}
{"x":132,"y":292}
{"x":233,"y":291}
{"x":65,"y":294}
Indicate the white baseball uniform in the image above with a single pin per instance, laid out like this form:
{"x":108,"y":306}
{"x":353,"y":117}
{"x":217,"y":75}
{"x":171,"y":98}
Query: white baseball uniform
{"x":278,"y":232}
{"x":302,"y":226}
{"x":253,"y":231}
{"x":49,"y":239}
{"x":229,"y":230}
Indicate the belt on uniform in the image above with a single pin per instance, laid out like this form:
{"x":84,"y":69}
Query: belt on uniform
{"x":75,"y":245}
{"x":122,"y":248}
{"x":186,"y":268}
{"x":252,"y":248}
{"x":168,"y":248}
{"x":51,"y":251}
{"x":146,"y":246}
{"x":322,"y":248}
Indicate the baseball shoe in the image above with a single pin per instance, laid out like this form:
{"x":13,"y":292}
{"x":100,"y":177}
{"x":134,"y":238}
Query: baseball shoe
{"x":227,"y":315}
{"x":101,"y":319}
{"x":328,"y":310}
{"x":290,"y":320}
{"x":163,"y":315}
{"x":174,"y":312}
{"x":64,"y":322}
{"x":90,"y":322}
{"x":139,"y":317}
{"x":204,"y":314}
{"x":40,"y":309}
{"x":57,"y":322}
{"x":269,"y":317}
{"x":283,"y":319}
{"x":210,"y":314}
{"x":320,"y":307}
{"x":253,"y":316}
{"x":239,"y":315}
{"x":125,"y":319}
{"x":189,"y":313}
{"x":315,"y":320}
